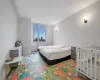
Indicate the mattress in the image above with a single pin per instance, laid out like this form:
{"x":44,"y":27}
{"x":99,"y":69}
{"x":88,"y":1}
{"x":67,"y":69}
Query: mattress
{"x":56,"y":52}
{"x":53,"y":46}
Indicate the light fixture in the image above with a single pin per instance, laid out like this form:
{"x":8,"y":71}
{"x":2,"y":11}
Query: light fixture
{"x":85,"y":19}
{"x":56,"y":29}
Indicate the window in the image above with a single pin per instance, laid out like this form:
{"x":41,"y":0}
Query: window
{"x":39,"y":33}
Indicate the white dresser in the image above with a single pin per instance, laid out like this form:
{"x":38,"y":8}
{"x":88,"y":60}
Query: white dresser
{"x":16,"y":51}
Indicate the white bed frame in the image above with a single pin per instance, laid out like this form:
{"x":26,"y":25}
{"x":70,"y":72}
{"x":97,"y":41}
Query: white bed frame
{"x":88,"y":62}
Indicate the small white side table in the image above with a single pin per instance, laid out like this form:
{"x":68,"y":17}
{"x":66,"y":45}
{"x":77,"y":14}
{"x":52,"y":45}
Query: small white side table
{"x":15,"y":60}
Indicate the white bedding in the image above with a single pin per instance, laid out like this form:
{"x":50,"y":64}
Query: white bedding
{"x":55,"y":52}
{"x":53,"y":46}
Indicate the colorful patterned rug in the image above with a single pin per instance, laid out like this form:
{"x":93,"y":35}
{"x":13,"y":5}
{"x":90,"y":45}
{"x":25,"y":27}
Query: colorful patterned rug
{"x":34,"y":68}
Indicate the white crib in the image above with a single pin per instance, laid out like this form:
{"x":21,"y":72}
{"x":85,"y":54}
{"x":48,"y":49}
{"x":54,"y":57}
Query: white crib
{"x":93,"y":47}
{"x":88,"y":62}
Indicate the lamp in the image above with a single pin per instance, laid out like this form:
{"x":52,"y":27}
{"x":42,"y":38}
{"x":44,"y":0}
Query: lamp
{"x":56,"y":29}
{"x":85,"y":19}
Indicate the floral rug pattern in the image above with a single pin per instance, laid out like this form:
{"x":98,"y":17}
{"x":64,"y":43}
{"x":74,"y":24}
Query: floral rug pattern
{"x":34,"y":68}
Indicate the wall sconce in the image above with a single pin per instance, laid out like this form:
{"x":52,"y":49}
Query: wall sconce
{"x":85,"y":21}
{"x":56,"y":29}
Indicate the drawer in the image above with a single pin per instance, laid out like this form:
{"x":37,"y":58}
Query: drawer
{"x":73,"y":48}
{"x":73,"y":56}
{"x":72,"y":53}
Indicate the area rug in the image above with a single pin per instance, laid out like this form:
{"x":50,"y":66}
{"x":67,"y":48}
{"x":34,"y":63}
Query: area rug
{"x":34,"y":68}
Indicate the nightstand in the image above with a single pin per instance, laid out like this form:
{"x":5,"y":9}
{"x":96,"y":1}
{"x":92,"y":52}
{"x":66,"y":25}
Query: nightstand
{"x":73,"y":53}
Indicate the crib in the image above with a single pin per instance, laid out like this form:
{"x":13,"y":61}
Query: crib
{"x":92,"y":47}
{"x":88,"y":61}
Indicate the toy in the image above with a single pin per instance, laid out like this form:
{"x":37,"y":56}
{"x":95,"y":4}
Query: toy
{"x":24,"y":75}
{"x":38,"y":78}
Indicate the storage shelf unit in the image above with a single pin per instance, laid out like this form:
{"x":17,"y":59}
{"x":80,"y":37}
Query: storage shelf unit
{"x":16,"y":51}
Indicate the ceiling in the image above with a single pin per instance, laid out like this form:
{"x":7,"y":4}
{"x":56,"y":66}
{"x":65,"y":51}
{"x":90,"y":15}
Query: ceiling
{"x":49,"y":11}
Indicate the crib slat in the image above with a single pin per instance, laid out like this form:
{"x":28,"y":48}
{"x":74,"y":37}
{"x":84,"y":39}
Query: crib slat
{"x":95,"y":65}
{"x":99,"y":66}
{"x":80,"y":60}
{"x":83,"y":53}
{"x":99,"y":62}
{"x":91,"y":70}
{"x":81,"y":65}
{"x":87,"y":52}
{"x":77,"y":60}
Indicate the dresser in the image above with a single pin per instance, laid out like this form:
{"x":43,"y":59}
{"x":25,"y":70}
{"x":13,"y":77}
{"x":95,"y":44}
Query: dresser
{"x":73,"y":53}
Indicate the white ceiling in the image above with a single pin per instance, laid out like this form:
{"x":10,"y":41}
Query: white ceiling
{"x":49,"y":11}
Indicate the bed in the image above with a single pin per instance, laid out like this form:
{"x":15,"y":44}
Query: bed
{"x":52,"y":47}
{"x":55,"y":54}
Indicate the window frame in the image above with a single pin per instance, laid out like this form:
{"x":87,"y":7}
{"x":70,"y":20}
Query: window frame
{"x":38,"y":29}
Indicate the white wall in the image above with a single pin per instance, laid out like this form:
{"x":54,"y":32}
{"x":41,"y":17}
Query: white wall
{"x":8,"y":31}
{"x":73,"y":30}
{"x":25,"y":34}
